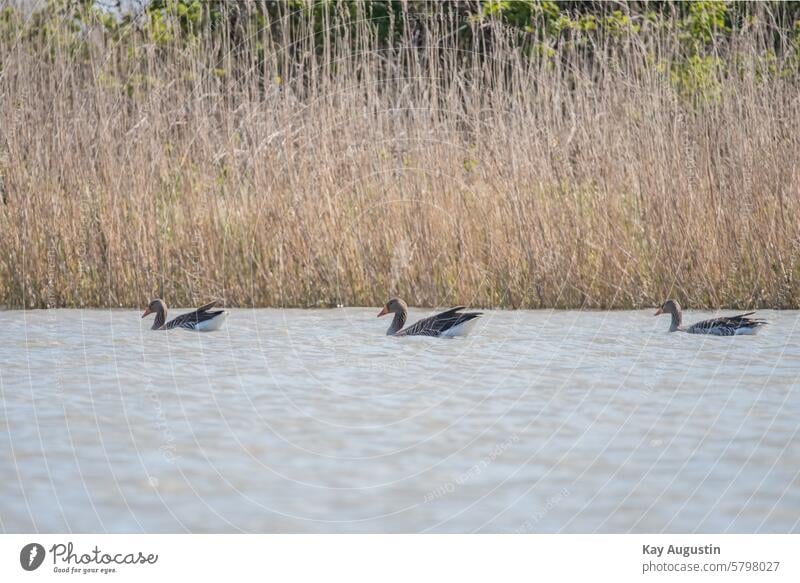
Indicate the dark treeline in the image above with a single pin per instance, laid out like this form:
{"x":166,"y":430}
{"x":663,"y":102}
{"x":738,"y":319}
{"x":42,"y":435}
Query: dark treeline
{"x":238,"y":28}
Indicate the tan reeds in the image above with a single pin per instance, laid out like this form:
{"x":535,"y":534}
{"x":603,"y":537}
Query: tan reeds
{"x":339,"y":176}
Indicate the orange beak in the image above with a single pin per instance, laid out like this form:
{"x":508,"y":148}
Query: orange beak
{"x":384,"y":311}
{"x":658,"y":312}
{"x":147,"y":312}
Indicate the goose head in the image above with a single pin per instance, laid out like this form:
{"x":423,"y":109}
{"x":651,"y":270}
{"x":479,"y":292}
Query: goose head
{"x":669,"y":307}
{"x":156,"y":306}
{"x":394,"y":306}
{"x":399,"y":308}
{"x":673,"y":308}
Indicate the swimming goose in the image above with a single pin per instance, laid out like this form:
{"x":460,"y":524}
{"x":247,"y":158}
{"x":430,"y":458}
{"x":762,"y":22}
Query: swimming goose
{"x":450,"y":323}
{"x":725,"y":326}
{"x":201,"y":319}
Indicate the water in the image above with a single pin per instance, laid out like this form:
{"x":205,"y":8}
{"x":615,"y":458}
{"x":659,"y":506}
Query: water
{"x":314,"y":421}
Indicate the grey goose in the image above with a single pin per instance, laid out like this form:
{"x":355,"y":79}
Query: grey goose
{"x":203,"y":319}
{"x":449,"y":323}
{"x":724,"y":326}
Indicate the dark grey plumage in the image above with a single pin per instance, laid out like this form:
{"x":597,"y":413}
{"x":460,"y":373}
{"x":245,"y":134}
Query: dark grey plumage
{"x":200,"y":319}
{"x":723,"y":326}
{"x":444,"y":324}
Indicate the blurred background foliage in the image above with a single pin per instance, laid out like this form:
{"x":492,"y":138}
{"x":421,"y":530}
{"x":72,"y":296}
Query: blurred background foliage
{"x":704,"y":30}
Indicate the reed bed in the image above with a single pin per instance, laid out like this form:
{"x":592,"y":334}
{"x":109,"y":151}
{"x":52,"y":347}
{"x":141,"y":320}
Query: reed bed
{"x":305,"y":167}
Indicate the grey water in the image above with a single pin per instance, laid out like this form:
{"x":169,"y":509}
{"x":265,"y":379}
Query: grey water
{"x":315,"y":421}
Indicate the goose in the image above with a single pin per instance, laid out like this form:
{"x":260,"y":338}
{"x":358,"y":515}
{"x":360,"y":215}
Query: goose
{"x":449,"y":323}
{"x":725,"y":326}
{"x":201,"y":319}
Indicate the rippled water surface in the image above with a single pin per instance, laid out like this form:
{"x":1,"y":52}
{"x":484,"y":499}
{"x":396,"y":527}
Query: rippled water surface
{"x":314,"y":421}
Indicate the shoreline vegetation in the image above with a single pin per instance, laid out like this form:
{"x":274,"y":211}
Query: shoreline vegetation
{"x":489,"y":154}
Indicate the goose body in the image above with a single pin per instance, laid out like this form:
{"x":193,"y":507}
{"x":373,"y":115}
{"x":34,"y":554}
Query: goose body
{"x":203,"y":319}
{"x":449,"y":324}
{"x":723,"y":326}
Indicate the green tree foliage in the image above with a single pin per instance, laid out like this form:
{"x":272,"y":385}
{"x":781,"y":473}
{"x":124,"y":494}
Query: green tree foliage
{"x":540,"y":27}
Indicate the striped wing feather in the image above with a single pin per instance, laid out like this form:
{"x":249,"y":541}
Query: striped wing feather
{"x":726,"y":326}
{"x":192,"y":319}
{"x":435,"y":325}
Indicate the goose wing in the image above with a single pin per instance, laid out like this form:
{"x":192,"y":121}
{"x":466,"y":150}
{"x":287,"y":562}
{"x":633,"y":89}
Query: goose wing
{"x":190,"y":320}
{"x":439,"y":323}
{"x":726,"y":326}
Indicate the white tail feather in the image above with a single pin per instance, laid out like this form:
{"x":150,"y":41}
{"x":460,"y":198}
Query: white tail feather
{"x":460,"y":330}
{"x":214,"y":323}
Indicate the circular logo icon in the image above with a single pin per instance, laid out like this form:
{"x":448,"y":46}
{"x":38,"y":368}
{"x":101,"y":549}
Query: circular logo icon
{"x":31,"y":556}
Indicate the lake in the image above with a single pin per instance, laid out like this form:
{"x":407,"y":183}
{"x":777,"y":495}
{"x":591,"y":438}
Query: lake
{"x":315,"y":421}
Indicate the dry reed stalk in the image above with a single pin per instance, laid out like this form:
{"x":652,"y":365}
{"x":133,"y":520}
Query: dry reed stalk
{"x":580,"y":181}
